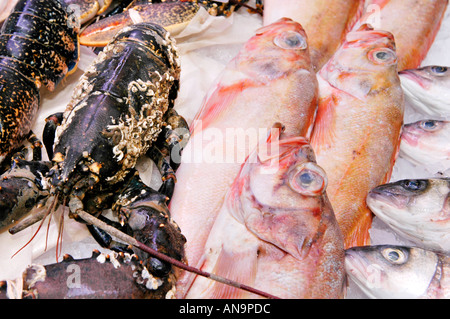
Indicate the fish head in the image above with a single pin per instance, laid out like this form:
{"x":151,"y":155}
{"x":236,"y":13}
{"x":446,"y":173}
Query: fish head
{"x":427,"y":89}
{"x":418,"y":209}
{"x":389,"y":271}
{"x":275,"y":51}
{"x":418,"y":199}
{"x":425,"y":142}
{"x":426,"y":133}
{"x":280,"y":194}
{"x":365,"y":63}
{"x":427,"y":76}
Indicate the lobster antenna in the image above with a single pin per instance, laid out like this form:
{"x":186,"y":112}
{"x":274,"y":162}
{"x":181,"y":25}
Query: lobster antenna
{"x":132,"y":241}
{"x":48,"y":228}
{"x":60,"y":232}
{"x":31,"y":219}
{"x":47,"y":212}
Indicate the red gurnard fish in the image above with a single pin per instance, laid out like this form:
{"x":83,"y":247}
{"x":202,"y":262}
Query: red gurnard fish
{"x":414,"y":24}
{"x":276,"y":230}
{"x":270,"y":80}
{"x":356,"y":135}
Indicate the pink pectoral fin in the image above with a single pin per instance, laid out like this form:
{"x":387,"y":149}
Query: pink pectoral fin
{"x":237,"y":266}
{"x":218,"y":102}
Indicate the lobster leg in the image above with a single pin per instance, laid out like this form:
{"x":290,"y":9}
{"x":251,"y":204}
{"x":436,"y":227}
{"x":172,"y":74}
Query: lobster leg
{"x":36,"y":146}
{"x":166,"y":153}
{"x":146,"y":217}
{"x":104,"y":239}
{"x":176,"y":135}
{"x":48,"y":134}
{"x":167,"y":173}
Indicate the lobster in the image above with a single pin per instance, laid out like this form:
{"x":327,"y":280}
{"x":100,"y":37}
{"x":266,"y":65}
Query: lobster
{"x":172,"y":15}
{"x":38,"y":45}
{"x":121,"y":109}
{"x":79,"y":279}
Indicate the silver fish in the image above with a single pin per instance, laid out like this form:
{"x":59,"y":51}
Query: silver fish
{"x":426,"y":143}
{"x":417,"y":209}
{"x":399,"y":272}
{"x":427,"y":89}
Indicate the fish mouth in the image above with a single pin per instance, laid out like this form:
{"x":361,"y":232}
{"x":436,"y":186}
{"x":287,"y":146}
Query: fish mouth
{"x":357,"y":266}
{"x":367,"y":275}
{"x":414,"y":76}
{"x":410,"y":135}
{"x":382,"y":196}
{"x":354,"y":264}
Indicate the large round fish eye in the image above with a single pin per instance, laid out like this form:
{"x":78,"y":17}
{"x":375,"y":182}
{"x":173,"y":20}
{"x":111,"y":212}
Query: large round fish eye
{"x":382,"y":56}
{"x":395,"y":256}
{"x":439,"y":70}
{"x":429,"y":125}
{"x":414,"y":184}
{"x":308,"y":179}
{"x":290,"y":40}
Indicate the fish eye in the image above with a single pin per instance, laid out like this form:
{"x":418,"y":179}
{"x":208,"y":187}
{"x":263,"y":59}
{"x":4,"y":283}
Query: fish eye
{"x":308,"y":179}
{"x":439,"y":70}
{"x":382,"y":56}
{"x":429,"y":125}
{"x":414,"y":184}
{"x":290,"y":40}
{"x":395,"y":256}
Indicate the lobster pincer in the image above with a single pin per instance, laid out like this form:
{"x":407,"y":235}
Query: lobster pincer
{"x":22,"y":189}
{"x":144,"y":214}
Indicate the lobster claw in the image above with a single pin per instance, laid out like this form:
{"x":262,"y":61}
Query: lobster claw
{"x":148,"y":220}
{"x":21,"y":189}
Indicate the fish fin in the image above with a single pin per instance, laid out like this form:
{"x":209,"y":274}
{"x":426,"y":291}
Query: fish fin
{"x":324,"y":130}
{"x":238,"y":266}
{"x":215,"y":104}
{"x":190,"y":278}
{"x":354,"y":17}
{"x":265,"y":150}
{"x":394,"y":157}
{"x":379,"y":3}
{"x":359,"y":235}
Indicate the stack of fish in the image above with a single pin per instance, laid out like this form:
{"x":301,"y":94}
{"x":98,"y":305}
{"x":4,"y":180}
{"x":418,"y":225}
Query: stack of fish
{"x":356,"y":136}
{"x":293,"y":152}
{"x":415,"y":208}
